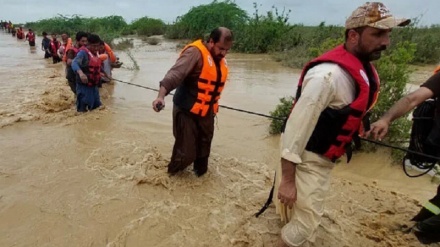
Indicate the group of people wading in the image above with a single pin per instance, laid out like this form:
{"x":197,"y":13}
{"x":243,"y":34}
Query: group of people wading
{"x":88,"y":60}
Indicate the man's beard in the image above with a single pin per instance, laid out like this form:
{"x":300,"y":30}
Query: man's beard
{"x":217,"y":58}
{"x":369,"y":56}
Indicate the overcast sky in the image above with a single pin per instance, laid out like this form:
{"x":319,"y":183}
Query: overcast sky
{"x":309,"y":12}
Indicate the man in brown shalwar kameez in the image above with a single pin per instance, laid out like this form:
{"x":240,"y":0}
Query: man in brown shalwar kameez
{"x":199,"y":75}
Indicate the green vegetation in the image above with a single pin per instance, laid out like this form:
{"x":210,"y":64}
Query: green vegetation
{"x":394,"y":73}
{"x":270,"y":32}
{"x":291,"y":44}
{"x":152,"y":41}
{"x":124,"y":44}
{"x":281,"y":111}
{"x":264,"y":33}
{"x":108,"y":28}
{"x":146,"y":27}
{"x":200,"y":20}
{"x":135,"y":64}
{"x":427,"y":44}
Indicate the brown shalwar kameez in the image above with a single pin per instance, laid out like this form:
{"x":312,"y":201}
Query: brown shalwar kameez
{"x":193,"y":134}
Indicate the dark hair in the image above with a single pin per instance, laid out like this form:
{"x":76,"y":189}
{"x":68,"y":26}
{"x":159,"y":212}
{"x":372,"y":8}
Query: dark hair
{"x":102,"y":42}
{"x":358,"y":30}
{"x":80,"y":35}
{"x":93,"y":39}
{"x":44,"y":33}
{"x":217,"y":34}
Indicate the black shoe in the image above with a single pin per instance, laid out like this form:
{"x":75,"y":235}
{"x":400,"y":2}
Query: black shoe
{"x":427,"y":238}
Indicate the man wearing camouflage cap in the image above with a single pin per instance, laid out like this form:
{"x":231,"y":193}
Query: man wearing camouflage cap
{"x":335,"y":91}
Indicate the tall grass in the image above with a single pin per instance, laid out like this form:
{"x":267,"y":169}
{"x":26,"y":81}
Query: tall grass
{"x":135,"y":64}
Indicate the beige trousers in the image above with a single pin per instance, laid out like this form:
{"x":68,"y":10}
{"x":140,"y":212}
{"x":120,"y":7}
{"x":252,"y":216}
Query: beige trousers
{"x":312,"y":183}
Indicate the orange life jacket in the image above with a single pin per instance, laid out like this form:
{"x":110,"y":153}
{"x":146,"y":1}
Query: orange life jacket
{"x":210,"y":84}
{"x":67,"y":47}
{"x":437,"y":69}
{"x":110,"y":53}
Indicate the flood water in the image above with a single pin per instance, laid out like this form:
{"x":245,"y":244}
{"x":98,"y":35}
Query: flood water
{"x":99,"y":179}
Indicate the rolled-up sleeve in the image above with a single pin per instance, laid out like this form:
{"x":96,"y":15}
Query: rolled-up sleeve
{"x":184,"y":65}
{"x":316,"y":95}
{"x":79,"y":60}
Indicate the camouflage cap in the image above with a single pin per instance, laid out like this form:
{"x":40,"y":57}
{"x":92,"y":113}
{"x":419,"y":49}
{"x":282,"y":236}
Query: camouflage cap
{"x":374,"y":14}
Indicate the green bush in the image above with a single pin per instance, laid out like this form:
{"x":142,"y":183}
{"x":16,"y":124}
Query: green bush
{"x":201,"y":20}
{"x":394,"y":71}
{"x":153,"y":41}
{"x":427,"y":45}
{"x":327,"y":45}
{"x":425,"y":38}
{"x":263,"y":33}
{"x":148,"y":26}
{"x":108,"y":28}
{"x":124,"y":44}
{"x":300,"y":39}
{"x":281,"y":111}
{"x":296,"y":57}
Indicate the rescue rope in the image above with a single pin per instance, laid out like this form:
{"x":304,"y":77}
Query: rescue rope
{"x":401,"y":149}
{"x":223,"y":106}
{"x":278,"y":118}
{"x":137,"y":85}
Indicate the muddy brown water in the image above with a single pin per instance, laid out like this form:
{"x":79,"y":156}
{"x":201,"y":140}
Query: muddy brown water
{"x":99,"y":179}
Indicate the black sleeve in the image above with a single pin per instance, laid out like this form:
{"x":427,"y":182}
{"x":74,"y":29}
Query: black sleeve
{"x":433,"y":84}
